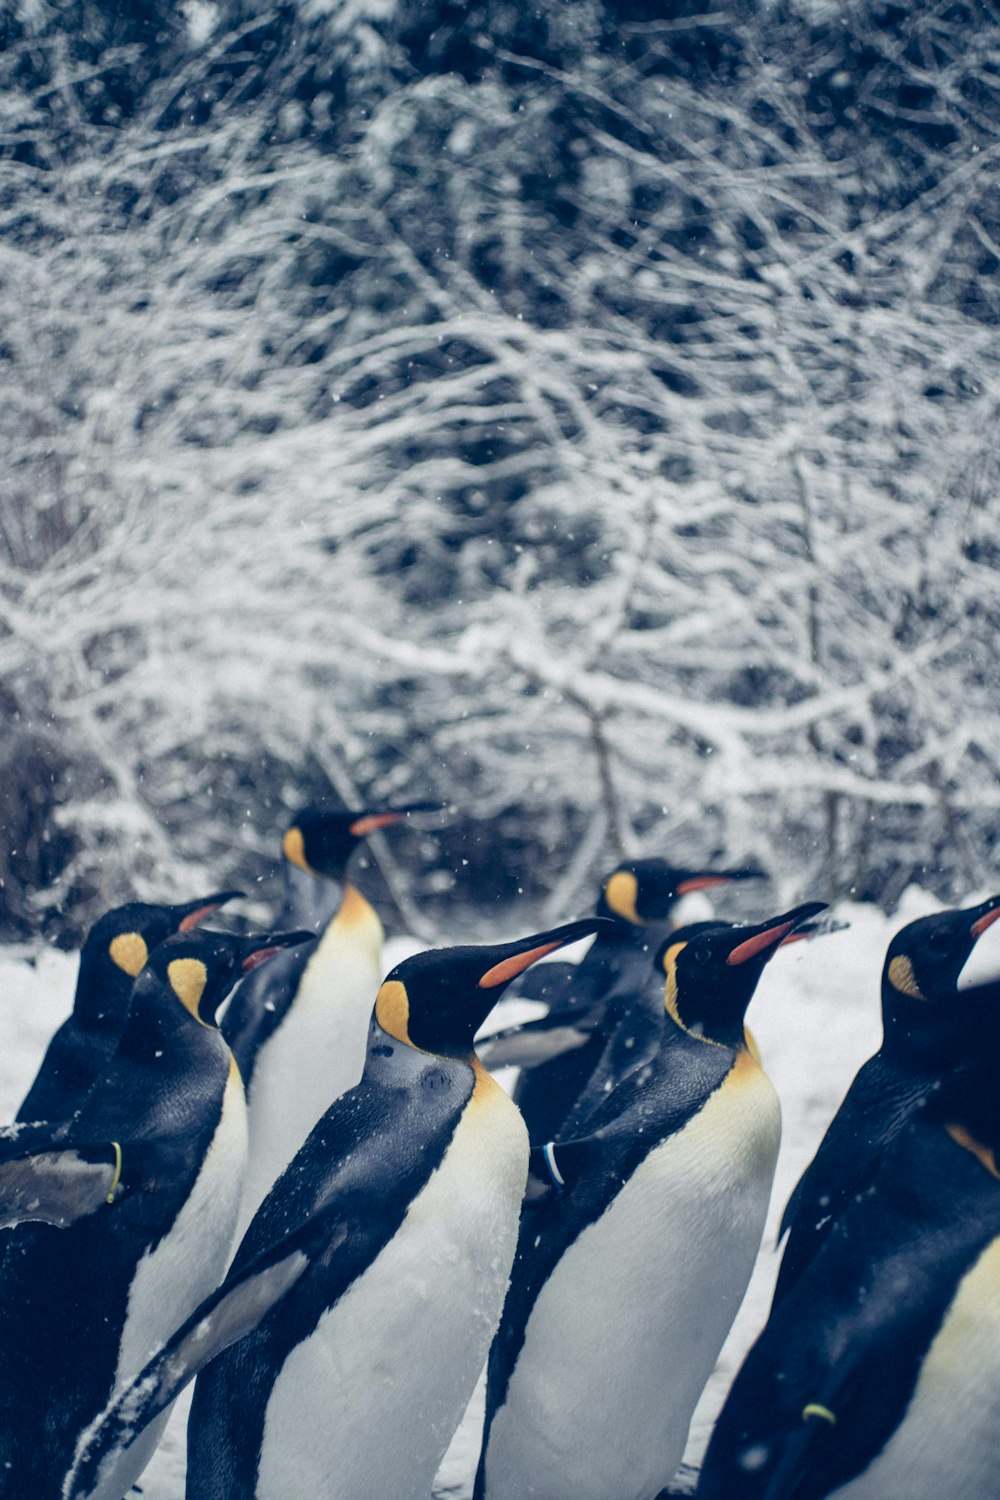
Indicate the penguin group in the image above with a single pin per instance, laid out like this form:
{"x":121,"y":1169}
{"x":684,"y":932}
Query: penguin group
{"x":261,"y":1164}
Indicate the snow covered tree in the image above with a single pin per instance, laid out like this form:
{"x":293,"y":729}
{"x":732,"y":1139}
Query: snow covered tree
{"x":586,"y":416}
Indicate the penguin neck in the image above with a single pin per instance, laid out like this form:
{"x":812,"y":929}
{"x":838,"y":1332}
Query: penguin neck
{"x":357,"y":922}
{"x":708,"y":1016}
{"x":160,"y":1031}
{"x":386,"y":1045}
{"x":717,"y":1031}
{"x":308,"y":900}
{"x":102,"y":994}
{"x":970,"y":1108}
{"x":915,"y":1045}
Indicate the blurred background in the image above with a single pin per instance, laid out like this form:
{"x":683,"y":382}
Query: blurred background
{"x":584,"y":412}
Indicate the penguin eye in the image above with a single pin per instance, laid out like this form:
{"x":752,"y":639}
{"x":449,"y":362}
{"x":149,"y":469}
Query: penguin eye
{"x":702,"y":956}
{"x":941,"y":941}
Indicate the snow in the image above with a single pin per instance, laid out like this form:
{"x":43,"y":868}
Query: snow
{"x":815,"y":1017}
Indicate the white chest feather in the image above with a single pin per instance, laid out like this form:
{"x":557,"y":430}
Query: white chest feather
{"x":368,"y":1404}
{"x":948,"y":1443}
{"x":626,"y":1331}
{"x":189,"y":1260}
{"x":318,"y":1051}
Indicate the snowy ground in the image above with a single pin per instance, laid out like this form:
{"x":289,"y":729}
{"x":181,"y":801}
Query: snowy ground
{"x":815,"y":1017}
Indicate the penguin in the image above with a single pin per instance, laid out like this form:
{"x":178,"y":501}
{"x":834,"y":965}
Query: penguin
{"x":636,"y":1244}
{"x":638,"y":1035}
{"x":338,"y":1355}
{"x":115,"y":949}
{"x":877,"y":1375}
{"x":298,"y":1030}
{"x":929,"y":973}
{"x":635,"y":1036}
{"x":82,"y":1306}
{"x":587,"y":1001}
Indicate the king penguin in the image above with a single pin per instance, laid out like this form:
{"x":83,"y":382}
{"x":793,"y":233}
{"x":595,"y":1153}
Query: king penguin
{"x":83,"y":1306}
{"x":298,"y":1030}
{"x":115,"y":949}
{"x":588,"y":1001}
{"x":925,"y":988}
{"x":364,"y":1296}
{"x":877,"y":1376}
{"x":636,"y":1245}
{"x":637,"y":1037}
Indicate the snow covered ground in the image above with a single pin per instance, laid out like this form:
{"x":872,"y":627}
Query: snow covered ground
{"x":815,"y":1016}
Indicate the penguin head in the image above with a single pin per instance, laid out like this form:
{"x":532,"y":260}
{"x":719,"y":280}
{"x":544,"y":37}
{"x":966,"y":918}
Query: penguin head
{"x":942,"y":977}
{"x":437,"y":1001}
{"x":640,"y":891}
{"x":118,"y":945}
{"x":321,"y":840}
{"x":198,"y":969}
{"x":712,"y":970}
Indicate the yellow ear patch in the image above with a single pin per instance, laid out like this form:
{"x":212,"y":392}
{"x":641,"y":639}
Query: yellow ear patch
{"x":188,"y":977}
{"x":902,"y":978}
{"x":128,"y":950}
{"x":293,"y":847}
{"x":620,"y":892}
{"x":670,"y":970}
{"x":392,"y":1010}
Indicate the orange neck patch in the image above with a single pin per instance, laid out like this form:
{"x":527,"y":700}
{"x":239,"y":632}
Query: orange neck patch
{"x":354,"y":908}
{"x":968,"y":1142}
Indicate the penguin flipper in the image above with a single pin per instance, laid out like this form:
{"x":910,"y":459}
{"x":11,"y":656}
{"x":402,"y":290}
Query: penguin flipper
{"x":228,"y":1314}
{"x":802,"y":1452}
{"x":794,"y":1205}
{"x":58,"y":1187}
{"x":795,"y":1427}
{"x":848,"y":1157}
{"x":535,"y":1042}
{"x":822,"y":1390}
{"x":47,"y":1177}
{"x":556,"y":1168}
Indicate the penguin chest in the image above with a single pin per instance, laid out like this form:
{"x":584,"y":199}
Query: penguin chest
{"x":315,"y":1055}
{"x":626,"y":1331}
{"x":189,"y":1259}
{"x":368,"y":1403}
{"x":946,"y":1443}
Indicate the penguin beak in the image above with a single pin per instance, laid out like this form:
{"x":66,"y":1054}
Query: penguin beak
{"x":522,"y":955}
{"x":706,"y":879}
{"x":369,"y":822}
{"x":982,"y":967}
{"x":196,"y":912}
{"x":980,"y":925}
{"x":275,"y":943}
{"x":765,"y":938}
{"x":801,"y":934}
